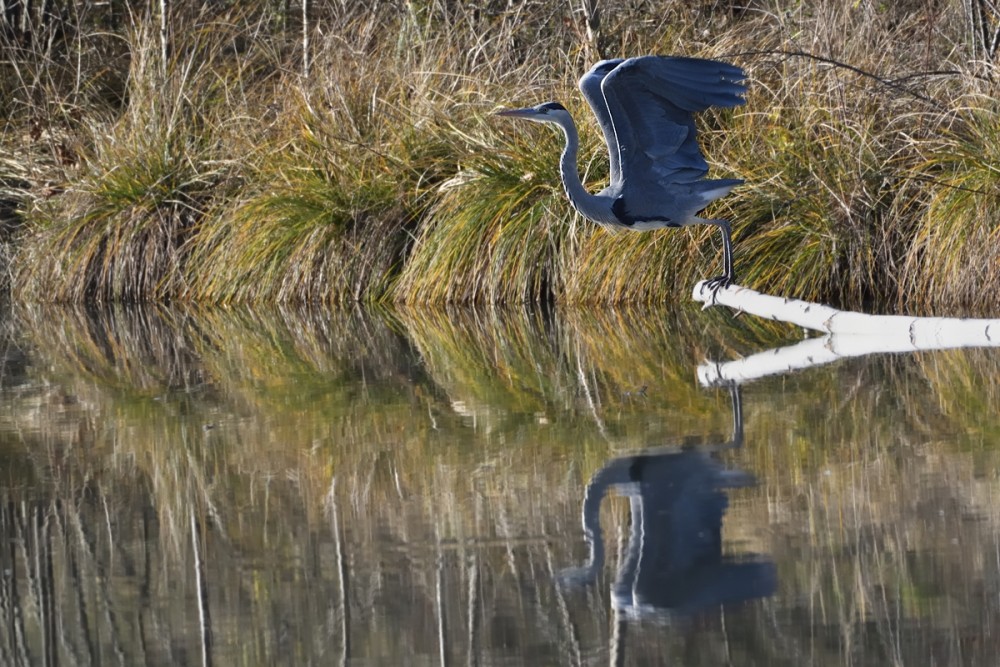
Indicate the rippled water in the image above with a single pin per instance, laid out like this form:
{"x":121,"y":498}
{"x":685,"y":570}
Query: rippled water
{"x":233,"y":487}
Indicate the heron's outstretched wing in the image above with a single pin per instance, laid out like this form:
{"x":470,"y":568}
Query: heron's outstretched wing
{"x":652,"y":100}
{"x":590,"y":86}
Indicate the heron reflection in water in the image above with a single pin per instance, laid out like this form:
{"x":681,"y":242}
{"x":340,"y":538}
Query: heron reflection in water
{"x":673,"y":563}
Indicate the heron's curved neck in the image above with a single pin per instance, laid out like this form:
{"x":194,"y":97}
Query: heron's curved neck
{"x":589,"y":205}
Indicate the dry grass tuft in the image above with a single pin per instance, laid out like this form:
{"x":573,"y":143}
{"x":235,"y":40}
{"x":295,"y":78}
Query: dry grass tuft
{"x":953,"y":259}
{"x":117,"y":230}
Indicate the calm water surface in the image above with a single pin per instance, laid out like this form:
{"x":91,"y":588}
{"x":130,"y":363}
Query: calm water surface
{"x":430,"y":488}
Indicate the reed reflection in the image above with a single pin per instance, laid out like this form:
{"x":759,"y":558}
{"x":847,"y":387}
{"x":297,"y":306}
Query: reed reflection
{"x":392,"y":489}
{"x":674,"y":564}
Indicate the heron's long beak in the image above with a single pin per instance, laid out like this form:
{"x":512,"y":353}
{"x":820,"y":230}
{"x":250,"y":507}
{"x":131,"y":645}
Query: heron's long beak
{"x":518,"y":113}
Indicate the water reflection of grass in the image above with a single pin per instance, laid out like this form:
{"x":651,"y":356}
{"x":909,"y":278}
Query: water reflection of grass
{"x":878,"y":514}
{"x":453,"y":449}
{"x":596,"y":372}
{"x":968,"y":395}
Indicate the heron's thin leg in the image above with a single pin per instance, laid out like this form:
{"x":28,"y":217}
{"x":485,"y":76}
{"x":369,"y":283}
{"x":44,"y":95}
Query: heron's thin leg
{"x":729,"y":277}
{"x":727,"y":249}
{"x":734,"y":394}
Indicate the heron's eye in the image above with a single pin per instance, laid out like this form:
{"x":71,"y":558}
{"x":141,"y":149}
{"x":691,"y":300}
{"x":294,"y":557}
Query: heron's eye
{"x":552,"y":106}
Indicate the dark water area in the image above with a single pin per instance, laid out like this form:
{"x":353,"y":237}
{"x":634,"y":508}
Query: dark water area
{"x":189,"y":487}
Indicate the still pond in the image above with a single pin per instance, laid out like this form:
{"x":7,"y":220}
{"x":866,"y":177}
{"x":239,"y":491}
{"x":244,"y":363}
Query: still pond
{"x":234,"y":487}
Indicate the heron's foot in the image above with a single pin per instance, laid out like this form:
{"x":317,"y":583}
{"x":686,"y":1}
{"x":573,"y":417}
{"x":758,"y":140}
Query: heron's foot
{"x":719,"y":282}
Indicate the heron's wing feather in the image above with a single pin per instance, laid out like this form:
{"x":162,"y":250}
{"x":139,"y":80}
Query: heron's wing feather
{"x":590,"y":86}
{"x":652,"y":101}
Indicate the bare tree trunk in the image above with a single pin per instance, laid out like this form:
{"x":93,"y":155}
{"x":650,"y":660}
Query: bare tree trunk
{"x":26,"y":18}
{"x":592,"y":20}
{"x":983,"y":19}
{"x":164,"y":42}
{"x":305,"y":38}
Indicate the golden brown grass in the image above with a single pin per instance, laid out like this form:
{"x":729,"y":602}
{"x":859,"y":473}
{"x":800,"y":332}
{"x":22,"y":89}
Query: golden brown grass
{"x":867,"y":144}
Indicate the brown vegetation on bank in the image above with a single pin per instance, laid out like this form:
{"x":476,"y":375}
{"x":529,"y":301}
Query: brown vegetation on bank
{"x":225,"y":174}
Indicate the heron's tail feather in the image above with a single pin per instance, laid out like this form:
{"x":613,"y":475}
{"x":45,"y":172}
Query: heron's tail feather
{"x":710,"y":190}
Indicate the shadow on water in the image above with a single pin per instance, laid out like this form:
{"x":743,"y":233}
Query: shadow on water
{"x":185,"y":486}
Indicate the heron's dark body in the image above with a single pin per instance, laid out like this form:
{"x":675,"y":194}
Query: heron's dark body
{"x":620,"y":208}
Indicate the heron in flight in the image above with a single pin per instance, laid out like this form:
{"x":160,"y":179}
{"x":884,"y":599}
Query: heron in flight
{"x":645,"y":107}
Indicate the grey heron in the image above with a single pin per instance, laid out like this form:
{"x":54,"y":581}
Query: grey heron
{"x":645,"y":107}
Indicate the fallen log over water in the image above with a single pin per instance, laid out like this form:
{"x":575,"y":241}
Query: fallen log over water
{"x":849,"y":334}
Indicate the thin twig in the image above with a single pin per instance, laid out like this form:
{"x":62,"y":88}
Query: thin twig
{"x":890,"y":83}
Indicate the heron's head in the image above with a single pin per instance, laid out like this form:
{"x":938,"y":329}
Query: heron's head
{"x":549,"y":112}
